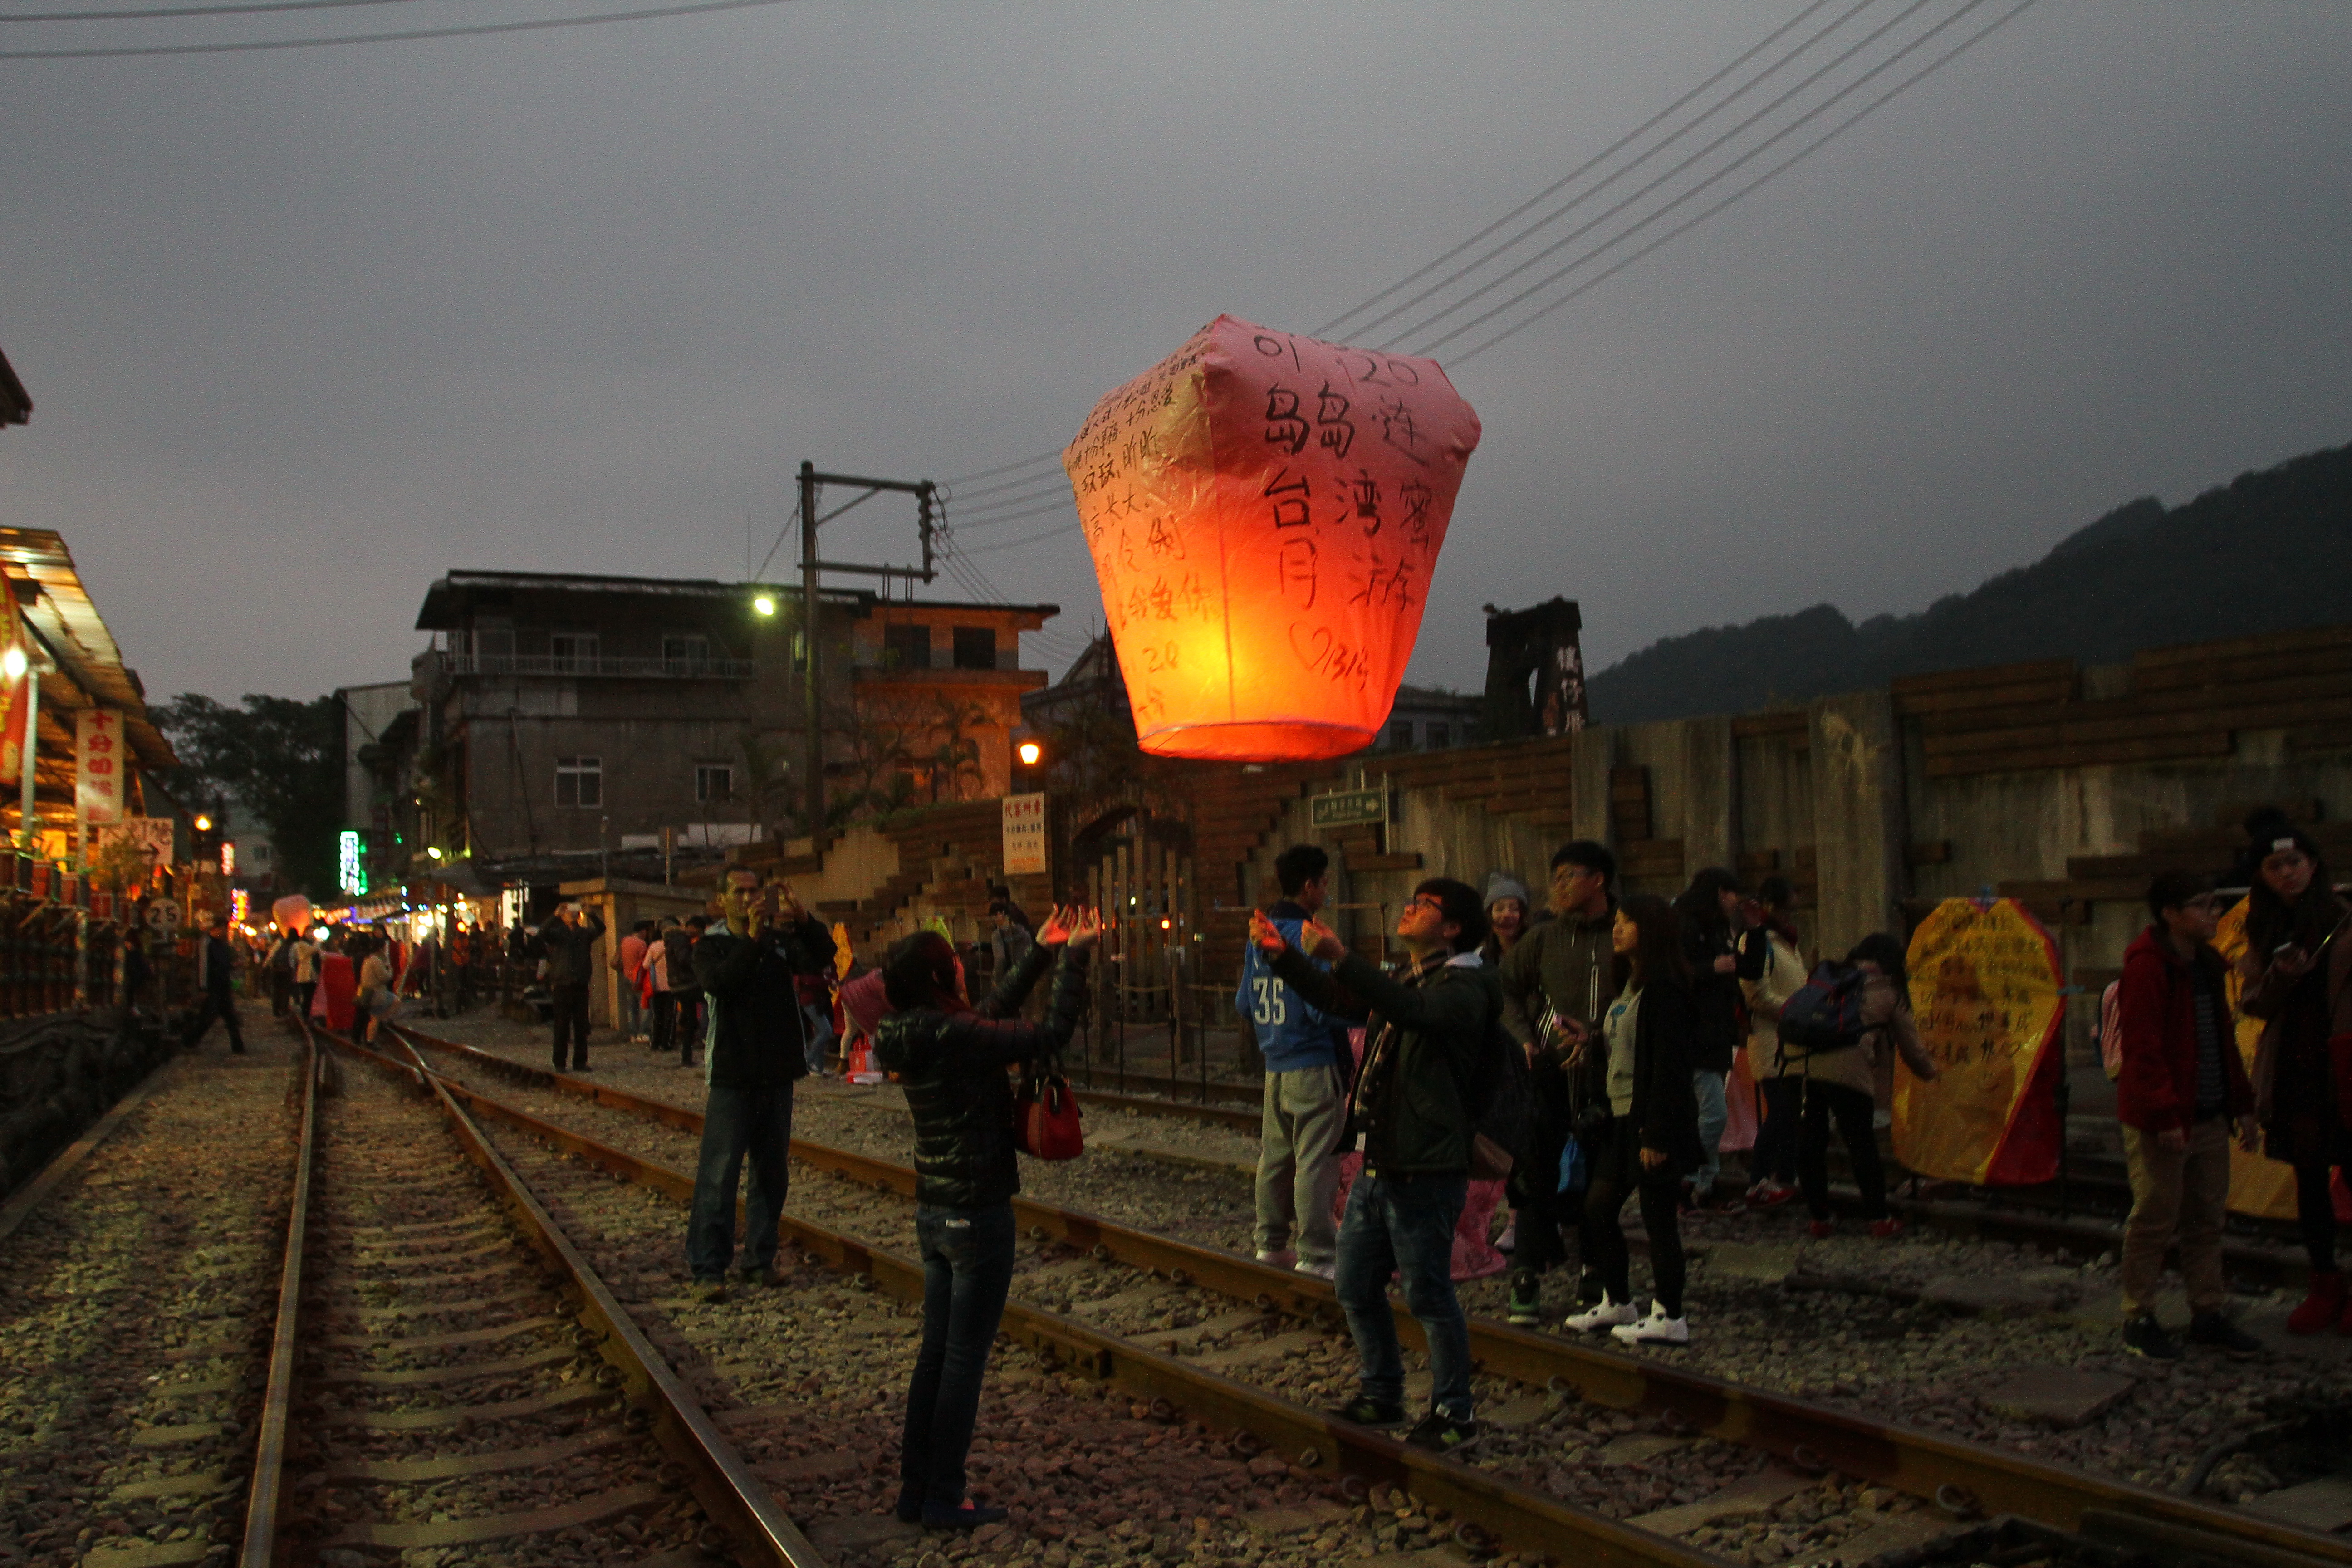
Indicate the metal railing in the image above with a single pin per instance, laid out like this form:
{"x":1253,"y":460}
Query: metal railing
{"x":463,"y":663}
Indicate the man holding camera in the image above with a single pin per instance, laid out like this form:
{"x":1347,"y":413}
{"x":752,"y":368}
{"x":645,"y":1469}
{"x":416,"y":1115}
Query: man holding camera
{"x":568,"y":943}
{"x":746,"y":965}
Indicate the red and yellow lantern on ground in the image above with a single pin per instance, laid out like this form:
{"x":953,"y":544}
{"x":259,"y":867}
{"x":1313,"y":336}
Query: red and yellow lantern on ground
{"x":1264,"y":512}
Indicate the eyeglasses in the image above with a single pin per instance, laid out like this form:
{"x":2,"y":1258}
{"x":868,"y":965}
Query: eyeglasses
{"x":1426,"y":902}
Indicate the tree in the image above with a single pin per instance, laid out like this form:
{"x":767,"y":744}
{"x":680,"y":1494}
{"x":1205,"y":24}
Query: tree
{"x":282,"y":757}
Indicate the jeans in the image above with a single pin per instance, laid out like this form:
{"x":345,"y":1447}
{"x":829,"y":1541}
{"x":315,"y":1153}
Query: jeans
{"x":1404,"y":1224}
{"x":737,"y":1122}
{"x":1852,"y":1110}
{"x":1774,"y":1158}
{"x":967,"y":1269}
{"x":1539,"y":1207}
{"x":570,"y":1003}
{"x":630,"y":1009}
{"x":1617,"y":1174}
{"x":216,"y":1005}
{"x":2178,"y":1195}
{"x":1298,"y":1161}
{"x":2314,"y":1215}
{"x":1713,"y":1113}
{"x":688,"y":1031}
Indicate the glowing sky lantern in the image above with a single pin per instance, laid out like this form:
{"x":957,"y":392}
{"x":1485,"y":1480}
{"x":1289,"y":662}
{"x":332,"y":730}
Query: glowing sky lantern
{"x":1264,"y":512}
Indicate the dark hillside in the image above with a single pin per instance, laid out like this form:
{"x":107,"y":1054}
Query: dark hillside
{"x":2268,"y":552}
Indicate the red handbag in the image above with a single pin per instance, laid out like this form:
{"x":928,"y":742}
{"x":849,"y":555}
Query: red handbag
{"x":1045,"y":1118}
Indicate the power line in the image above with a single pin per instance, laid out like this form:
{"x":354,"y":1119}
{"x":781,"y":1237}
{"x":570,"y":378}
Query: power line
{"x":1586,"y":227}
{"x":995,"y":545}
{"x":954,"y":488}
{"x":1593,"y":163}
{"x":1824,"y":140}
{"x":191,"y":11}
{"x":1007,"y":468}
{"x":702,"y":7}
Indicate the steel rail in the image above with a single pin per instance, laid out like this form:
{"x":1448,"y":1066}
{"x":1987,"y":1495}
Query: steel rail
{"x":759,"y":1531}
{"x":266,"y":1494}
{"x":1506,"y":1513}
{"x":1961,"y":1476}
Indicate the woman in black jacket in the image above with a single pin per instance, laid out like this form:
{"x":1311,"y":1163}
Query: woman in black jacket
{"x":1707,"y":910}
{"x":950,"y":1058}
{"x":1648,"y":1039}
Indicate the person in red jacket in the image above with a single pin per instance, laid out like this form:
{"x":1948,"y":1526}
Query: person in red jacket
{"x":2182,"y":1089}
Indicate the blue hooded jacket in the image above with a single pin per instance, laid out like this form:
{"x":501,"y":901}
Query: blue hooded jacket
{"x":1291,"y":1034}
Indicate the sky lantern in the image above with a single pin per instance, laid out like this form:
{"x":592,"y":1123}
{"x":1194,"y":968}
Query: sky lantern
{"x":1264,"y":512}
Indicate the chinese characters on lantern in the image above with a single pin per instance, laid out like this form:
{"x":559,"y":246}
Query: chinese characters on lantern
{"x":1264,"y":511}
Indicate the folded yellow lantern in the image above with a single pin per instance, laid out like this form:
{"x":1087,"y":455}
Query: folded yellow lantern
{"x":1264,"y":512}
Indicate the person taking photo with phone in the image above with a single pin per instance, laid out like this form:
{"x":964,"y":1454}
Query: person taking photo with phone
{"x":746,"y":965}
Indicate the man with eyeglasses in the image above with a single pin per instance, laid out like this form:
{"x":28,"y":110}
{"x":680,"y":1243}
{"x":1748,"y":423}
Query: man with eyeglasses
{"x":1410,"y":1112}
{"x":2181,"y":1089}
{"x":1558,"y":982}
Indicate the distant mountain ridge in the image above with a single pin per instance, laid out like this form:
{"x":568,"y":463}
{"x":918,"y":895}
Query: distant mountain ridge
{"x":2268,"y":552}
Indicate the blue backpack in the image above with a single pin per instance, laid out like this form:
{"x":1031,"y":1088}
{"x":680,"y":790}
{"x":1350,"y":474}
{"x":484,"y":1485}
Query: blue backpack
{"x":1825,"y":1014}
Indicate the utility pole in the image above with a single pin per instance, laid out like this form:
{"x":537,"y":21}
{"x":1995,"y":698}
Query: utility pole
{"x":925,"y":494}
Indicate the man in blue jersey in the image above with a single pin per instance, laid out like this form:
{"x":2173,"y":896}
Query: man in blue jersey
{"x":1306,"y":1085}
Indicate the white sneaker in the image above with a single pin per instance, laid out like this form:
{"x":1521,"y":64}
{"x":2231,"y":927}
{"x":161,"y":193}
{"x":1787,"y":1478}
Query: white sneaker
{"x":1321,"y":1270}
{"x":1655,"y":1329}
{"x":1608,"y":1314}
{"x":1279,"y":1259}
{"x":1509,"y":1240}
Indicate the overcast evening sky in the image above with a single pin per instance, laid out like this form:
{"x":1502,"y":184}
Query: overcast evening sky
{"x":306,"y":329}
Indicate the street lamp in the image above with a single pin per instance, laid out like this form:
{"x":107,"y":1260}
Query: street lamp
{"x":765,"y":604}
{"x":1030,"y":751}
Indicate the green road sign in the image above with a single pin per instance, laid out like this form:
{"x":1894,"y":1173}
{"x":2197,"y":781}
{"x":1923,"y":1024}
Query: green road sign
{"x":1349,"y":808}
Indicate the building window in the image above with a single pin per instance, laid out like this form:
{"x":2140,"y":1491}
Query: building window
{"x":685,"y":652}
{"x":713,"y":780}
{"x":906,"y":647}
{"x":1440,"y":737}
{"x":1401,"y":735}
{"x":579,"y":780}
{"x":975,"y":647}
{"x":573,"y":652}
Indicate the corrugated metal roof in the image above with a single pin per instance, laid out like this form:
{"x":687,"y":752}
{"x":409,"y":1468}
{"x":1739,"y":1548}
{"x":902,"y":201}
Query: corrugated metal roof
{"x":63,"y":617}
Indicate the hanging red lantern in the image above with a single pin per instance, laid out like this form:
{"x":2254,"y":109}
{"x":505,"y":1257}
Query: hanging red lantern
{"x":1264,"y":512}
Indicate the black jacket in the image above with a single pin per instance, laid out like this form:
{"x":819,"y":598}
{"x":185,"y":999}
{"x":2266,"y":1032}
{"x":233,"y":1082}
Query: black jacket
{"x":755,"y":1011}
{"x":568,"y":951}
{"x":952,"y":1065}
{"x":1717,"y":996}
{"x":1666,"y":1109}
{"x":1411,"y":1094}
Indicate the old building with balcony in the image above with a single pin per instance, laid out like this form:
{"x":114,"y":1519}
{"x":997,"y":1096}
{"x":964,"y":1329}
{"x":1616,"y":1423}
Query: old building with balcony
{"x":564,"y":716}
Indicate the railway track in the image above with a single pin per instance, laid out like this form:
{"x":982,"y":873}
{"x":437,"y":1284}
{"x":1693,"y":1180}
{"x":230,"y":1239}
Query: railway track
{"x":1963,"y":1478}
{"x":448,"y":1373}
{"x":2083,"y":1220}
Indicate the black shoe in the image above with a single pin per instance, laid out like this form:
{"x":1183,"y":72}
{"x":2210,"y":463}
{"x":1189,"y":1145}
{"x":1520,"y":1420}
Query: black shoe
{"x":970,"y":1516}
{"x":2143,"y":1336}
{"x":1442,"y":1434}
{"x":2213,"y":1329}
{"x":1525,"y":1308}
{"x":1366,"y":1411}
{"x":910,"y":1505}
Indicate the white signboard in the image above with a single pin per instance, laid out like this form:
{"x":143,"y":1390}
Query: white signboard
{"x":98,"y":758}
{"x":152,"y":834}
{"x":1024,"y":835}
